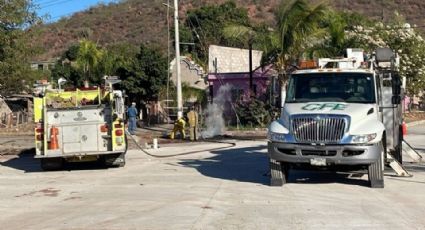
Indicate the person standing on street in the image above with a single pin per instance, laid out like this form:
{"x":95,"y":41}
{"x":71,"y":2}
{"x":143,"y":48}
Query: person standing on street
{"x":132,"y":114}
{"x":193,"y":124}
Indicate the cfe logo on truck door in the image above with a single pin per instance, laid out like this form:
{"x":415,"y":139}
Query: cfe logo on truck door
{"x":323,"y":106}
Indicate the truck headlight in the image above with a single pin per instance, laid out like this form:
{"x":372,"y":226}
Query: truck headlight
{"x":363,"y":138}
{"x":279,"y":137}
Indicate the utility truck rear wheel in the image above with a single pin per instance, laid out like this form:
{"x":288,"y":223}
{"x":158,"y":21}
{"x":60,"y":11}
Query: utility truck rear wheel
{"x":50,"y":164}
{"x":278,"y":173}
{"x":376,"y":173}
{"x":398,"y":149}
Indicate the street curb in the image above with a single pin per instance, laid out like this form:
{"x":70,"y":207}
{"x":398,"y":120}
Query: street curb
{"x":414,"y":123}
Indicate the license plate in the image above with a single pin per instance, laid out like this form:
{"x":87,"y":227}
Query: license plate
{"x":318,"y":161}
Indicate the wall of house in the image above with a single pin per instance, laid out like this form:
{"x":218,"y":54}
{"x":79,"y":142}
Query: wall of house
{"x":239,"y":84}
{"x":191,"y":73}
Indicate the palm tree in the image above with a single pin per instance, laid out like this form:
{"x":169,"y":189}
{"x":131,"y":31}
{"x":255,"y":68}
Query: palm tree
{"x":298,"y":28}
{"x":88,"y":57}
{"x":335,"y":42}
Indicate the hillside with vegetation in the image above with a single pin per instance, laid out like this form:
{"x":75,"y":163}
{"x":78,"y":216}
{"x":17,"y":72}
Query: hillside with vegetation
{"x":137,"y":21}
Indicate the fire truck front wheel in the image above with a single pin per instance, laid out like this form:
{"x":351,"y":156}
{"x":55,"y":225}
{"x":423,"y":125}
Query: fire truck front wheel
{"x":49,"y":164}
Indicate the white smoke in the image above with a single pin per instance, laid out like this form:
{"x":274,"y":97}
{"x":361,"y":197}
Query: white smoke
{"x":214,"y":120}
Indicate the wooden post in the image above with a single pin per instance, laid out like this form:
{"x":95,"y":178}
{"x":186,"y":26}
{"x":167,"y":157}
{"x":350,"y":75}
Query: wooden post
{"x":9,"y":120}
{"x":19,"y":118}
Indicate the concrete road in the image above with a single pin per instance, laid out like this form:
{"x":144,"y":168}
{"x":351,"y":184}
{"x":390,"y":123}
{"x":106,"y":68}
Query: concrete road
{"x":220,"y":188}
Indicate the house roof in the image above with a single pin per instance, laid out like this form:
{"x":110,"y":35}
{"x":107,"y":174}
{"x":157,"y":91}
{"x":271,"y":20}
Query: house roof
{"x":232,"y":60}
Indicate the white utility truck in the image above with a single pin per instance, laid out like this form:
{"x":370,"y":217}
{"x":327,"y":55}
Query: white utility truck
{"x":85,"y":124}
{"x":344,"y":114}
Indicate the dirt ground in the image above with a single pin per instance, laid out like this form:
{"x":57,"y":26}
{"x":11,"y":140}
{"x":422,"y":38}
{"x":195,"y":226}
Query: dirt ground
{"x":414,"y":116}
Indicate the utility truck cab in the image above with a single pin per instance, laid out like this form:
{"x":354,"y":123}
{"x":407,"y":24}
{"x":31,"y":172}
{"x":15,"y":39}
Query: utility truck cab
{"x":343,"y":113}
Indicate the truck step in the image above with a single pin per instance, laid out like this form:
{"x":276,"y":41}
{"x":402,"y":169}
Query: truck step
{"x":397,"y":167}
{"x":407,"y":149}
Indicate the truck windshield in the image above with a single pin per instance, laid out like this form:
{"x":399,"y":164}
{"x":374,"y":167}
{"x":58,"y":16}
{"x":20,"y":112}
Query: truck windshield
{"x":339,"y":87}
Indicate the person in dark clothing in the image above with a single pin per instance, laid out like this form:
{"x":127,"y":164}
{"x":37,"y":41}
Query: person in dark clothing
{"x":132,"y":114}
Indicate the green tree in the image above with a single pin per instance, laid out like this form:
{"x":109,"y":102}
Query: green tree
{"x":298,"y":26}
{"x":67,"y":71}
{"x":120,"y":55}
{"x":71,"y":53}
{"x":207,"y":23}
{"x":15,"y":49}
{"x":88,"y":58}
{"x":403,"y":39}
{"x":335,"y":42}
{"x":147,"y":74}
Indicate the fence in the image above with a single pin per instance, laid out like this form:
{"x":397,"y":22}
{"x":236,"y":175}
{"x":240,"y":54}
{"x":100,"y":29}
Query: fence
{"x":14,"y":119}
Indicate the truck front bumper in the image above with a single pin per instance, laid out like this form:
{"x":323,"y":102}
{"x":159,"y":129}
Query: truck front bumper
{"x":333,"y":154}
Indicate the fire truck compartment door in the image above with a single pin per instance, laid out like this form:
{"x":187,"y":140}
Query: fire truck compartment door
{"x":80,"y":138}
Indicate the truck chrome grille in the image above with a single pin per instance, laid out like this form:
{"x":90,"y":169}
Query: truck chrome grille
{"x":319,"y":128}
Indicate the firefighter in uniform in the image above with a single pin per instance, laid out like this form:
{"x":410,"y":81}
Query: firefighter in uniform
{"x":193,"y":124}
{"x":179,"y":126}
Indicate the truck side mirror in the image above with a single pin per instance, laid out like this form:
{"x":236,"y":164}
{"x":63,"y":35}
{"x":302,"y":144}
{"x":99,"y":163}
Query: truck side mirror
{"x":396,"y":84}
{"x":396,"y":100}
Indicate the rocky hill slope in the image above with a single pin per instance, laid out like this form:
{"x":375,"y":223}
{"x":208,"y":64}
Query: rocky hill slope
{"x":137,"y":21}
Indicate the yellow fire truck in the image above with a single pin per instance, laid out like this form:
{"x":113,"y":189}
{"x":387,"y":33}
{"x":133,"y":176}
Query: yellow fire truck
{"x":84,"y":124}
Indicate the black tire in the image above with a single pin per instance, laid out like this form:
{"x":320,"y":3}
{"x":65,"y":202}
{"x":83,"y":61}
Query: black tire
{"x":278,"y":173}
{"x":398,"y":152}
{"x":114,"y":160}
{"x":376,"y":173}
{"x":50,"y":164}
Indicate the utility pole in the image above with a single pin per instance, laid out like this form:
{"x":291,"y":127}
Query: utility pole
{"x":179,"y":81}
{"x":251,"y":87}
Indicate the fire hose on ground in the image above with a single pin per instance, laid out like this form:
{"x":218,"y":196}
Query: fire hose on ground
{"x":231,"y":144}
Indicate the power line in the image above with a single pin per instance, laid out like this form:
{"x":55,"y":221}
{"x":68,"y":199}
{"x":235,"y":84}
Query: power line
{"x":60,"y":2}
{"x":46,"y":2}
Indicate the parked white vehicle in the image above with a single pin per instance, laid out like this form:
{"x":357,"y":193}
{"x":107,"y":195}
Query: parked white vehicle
{"x":344,"y":113}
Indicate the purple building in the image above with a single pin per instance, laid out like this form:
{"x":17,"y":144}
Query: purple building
{"x":230,"y":66}
{"x":228,"y":77}
{"x":239,"y":83}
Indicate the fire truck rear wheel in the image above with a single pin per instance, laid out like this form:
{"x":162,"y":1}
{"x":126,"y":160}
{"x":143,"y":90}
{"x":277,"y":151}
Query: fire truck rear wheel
{"x":278,"y":173}
{"x":376,"y":173}
{"x":49,"y":164}
{"x":114,"y":160}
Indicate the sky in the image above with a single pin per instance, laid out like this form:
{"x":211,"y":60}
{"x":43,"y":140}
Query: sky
{"x":62,"y":8}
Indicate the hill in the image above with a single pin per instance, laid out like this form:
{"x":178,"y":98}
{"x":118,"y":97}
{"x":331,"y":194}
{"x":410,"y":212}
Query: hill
{"x":137,"y":21}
